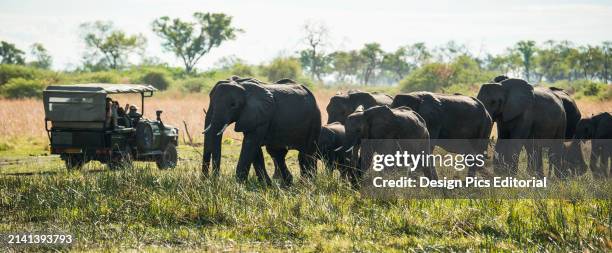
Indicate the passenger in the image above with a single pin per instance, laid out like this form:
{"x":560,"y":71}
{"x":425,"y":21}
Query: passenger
{"x":134,"y":115}
{"x":133,"y":112}
{"x":109,"y":112}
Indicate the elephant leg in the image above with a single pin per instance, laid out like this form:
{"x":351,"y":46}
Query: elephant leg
{"x":260,"y":168}
{"x":308,"y":164}
{"x":555,"y":161}
{"x":250,"y":147}
{"x":277,"y":173}
{"x":605,"y":159}
{"x":206,"y":163}
{"x":278,"y":156}
{"x":596,"y":161}
{"x":534,"y":159}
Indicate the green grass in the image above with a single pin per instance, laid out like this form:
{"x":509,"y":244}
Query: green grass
{"x":147,"y":209}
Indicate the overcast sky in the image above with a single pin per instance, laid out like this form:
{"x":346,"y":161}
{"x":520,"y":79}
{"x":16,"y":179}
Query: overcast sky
{"x":273,"y":28}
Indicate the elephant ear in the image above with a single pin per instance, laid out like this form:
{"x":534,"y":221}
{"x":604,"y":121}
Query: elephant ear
{"x":430,"y":108}
{"x":519,"y":97}
{"x":258,"y":107}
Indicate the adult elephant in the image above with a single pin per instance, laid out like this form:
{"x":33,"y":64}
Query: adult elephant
{"x":341,"y":105}
{"x":382,"y":122}
{"x":279,"y":116}
{"x":573,"y":159}
{"x":211,"y":142}
{"x":451,"y":117}
{"x":598,"y":129}
{"x":523,"y":112}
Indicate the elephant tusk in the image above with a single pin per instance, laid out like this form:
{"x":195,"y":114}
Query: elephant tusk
{"x":207,"y":128}
{"x":338,"y":149}
{"x":350,"y":149}
{"x":223,"y":129}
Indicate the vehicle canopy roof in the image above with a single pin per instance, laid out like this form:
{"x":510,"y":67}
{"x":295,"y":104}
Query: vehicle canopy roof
{"x":102,"y":88}
{"x":84,"y":102}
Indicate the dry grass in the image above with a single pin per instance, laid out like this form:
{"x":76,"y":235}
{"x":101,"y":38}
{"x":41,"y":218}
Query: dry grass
{"x":25,"y":117}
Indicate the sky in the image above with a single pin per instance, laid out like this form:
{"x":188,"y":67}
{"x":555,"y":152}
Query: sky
{"x":273,"y":28}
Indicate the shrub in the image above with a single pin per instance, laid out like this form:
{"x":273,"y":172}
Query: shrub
{"x":436,"y":77}
{"x":8,"y":71}
{"x":281,"y":68}
{"x":241,"y":69}
{"x":196,"y":85}
{"x":430,"y":77}
{"x":156,"y":78}
{"x":97,"y":77}
{"x":22,"y":88}
{"x":592,"y":89}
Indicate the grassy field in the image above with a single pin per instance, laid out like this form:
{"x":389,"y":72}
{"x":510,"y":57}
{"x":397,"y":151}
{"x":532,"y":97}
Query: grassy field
{"x":147,"y":209}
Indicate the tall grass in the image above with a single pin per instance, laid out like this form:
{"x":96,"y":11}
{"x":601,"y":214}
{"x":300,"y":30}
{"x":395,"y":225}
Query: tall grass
{"x":144,"y":208}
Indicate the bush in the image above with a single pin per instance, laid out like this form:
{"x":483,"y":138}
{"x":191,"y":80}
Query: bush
{"x":592,"y":89}
{"x":430,"y":77}
{"x":98,"y":77}
{"x":196,"y":85}
{"x":439,"y":77}
{"x":281,"y":68}
{"x":8,"y":71}
{"x":22,"y":88}
{"x":156,"y":78}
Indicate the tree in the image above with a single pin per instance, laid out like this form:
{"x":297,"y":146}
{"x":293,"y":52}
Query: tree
{"x":607,"y":61}
{"x":419,"y":54}
{"x":346,"y":65}
{"x":114,"y":45}
{"x":451,"y":50}
{"x":527,"y":49}
{"x":191,"y":40}
{"x":42,"y":58}
{"x":396,"y":63}
{"x":372,"y":56}
{"x":9,"y":54}
{"x":314,"y":59}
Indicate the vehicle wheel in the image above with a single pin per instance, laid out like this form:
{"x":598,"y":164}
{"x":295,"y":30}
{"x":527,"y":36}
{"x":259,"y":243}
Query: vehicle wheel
{"x":169,"y":157}
{"x":122,"y":161}
{"x":74,"y":162}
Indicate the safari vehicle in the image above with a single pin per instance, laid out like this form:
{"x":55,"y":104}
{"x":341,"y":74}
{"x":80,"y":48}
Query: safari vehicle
{"x":83,"y":125}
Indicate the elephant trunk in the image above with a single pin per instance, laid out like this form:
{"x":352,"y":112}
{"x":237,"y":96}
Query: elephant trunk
{"x":212,"y":150}
{"x":213,"y":134}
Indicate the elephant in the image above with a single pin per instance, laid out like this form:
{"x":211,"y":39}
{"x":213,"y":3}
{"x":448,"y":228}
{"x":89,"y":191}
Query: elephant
{"x":598,"y":128}
{"x":524,"y":113}
{"x":451,"y":117}
{"x":573,"y":159}
{"x":330,"y":140}
{"x":383,"y":122}
{"x":210,"y":141}
{"x":278,"y":116}
{"x":341,"y":105}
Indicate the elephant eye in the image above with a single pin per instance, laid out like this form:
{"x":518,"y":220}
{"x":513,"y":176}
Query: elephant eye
{"x":233,"y":104}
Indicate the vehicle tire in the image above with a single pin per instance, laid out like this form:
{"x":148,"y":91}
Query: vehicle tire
{"x":74,"y":162}
{"x":122,"y":161}
{"x":169,"y":157}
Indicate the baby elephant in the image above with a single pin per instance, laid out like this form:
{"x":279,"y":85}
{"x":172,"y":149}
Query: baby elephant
{"x":382,"y":122}
{"x":598,"y":129}
{"x":330,"y":142}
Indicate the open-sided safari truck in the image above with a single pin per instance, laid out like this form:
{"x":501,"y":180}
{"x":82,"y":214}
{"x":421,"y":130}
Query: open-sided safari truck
{"x":84,"y":124}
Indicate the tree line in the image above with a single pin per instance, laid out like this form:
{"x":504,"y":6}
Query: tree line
{"x":190,"y":40}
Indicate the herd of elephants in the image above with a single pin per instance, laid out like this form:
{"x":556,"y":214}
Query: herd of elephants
{"x":284,"y":116}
